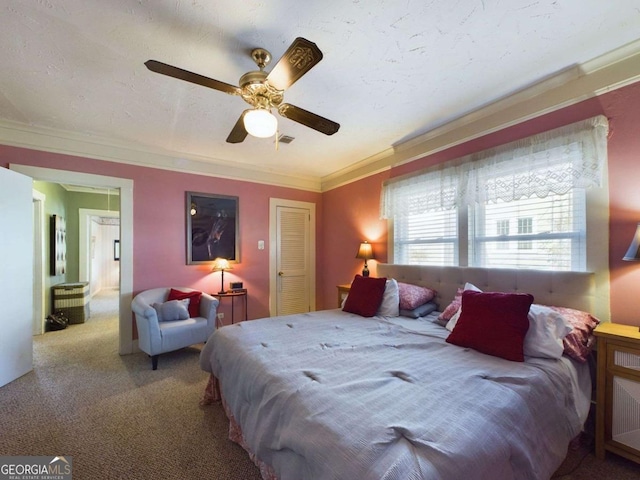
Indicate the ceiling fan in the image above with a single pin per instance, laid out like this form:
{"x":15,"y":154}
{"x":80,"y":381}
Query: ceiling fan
{"x":263,"y":91}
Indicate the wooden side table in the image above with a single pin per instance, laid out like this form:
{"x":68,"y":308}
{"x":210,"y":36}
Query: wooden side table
{"x":241,"y":294}
{"x":343,"y":291}
{"x":618,"y":391}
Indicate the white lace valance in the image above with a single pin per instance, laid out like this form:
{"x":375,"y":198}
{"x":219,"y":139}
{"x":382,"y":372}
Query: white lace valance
{"x":569,"y":157}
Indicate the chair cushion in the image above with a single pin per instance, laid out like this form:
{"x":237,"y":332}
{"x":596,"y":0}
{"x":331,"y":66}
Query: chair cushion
{"x":172,"y":310}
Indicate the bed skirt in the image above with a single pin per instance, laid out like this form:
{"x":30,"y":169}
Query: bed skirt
{"x":212,"y":395}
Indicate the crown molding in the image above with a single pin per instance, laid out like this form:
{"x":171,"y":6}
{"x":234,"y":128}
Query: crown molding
{"x":608,"y":72}
{"x":596,"y":77}
{"x":70,"y":143}
{"x":94,"y":190}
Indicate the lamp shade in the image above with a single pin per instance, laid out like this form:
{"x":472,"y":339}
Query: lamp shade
{"x":260,"y":123}
{"x":633,"y":253}
{"x":365,"y":251}
{"x":221,"y":264}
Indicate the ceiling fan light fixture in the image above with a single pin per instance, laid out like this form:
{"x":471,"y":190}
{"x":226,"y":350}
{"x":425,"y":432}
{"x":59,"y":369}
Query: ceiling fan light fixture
{"x":260,"y":123}
{"x":263,"y":90}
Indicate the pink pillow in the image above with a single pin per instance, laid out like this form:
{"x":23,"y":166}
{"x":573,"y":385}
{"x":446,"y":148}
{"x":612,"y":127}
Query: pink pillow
{"x":412,"y":296}
{"x":194,"y":300}
{"x":493,"y":323}
{"x":452,"y":308}
{"x":580,"y":341}
{"x":365,"y":296}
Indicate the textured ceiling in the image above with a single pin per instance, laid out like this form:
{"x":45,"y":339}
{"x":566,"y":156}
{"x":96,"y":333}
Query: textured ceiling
{"x":392,"y":70}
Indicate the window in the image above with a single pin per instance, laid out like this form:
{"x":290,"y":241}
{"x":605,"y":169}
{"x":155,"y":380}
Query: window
{"x":543,"y":236}
{"x":502,"y":228}
{"x":525,"y":226}
{"x":522,"y":205}
{"x":428,"y":238}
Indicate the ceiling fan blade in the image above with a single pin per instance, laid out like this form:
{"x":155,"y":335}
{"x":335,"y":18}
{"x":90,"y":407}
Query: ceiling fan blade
{"x":308,"y":119}
{"x":299,"y":58}
{"x":187,"y":76}
{"x":238,"y":132}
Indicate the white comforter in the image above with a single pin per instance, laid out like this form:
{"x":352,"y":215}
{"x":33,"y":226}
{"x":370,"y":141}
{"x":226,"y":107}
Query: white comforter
{"x":331,"y":395}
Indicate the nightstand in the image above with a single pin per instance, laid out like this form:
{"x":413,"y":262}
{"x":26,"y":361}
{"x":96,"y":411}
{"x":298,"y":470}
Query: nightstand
{"x":343,"y":291}
{"x":233,"y":294}
{"x":618,"y":391}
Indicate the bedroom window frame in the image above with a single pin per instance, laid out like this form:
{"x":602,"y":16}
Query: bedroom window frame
{"x":589,"y":257}
{"x":488,"y":250}
{"x":449,"y":241}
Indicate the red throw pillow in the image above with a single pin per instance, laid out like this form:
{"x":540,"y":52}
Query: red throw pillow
{"x":365,"y":296}
{"x":194,"y":300}
{"x":493,"y":323}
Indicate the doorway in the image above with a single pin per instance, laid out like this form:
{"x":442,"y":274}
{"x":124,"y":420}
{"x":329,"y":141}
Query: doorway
{"x":99,"y":262}
{"x":125,"y":187}
{"x":99,"y":259}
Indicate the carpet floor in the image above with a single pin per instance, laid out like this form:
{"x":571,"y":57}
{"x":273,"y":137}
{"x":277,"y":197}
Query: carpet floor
{"x":118,"y":419}
{"x":114,"y":416}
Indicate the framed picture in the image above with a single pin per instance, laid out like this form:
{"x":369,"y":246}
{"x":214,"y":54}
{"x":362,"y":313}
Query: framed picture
{"x":58,"y":246}
{"x":212,"y":228}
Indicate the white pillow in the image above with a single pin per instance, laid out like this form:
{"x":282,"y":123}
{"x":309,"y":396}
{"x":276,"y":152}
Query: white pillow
{"x":452,"y":323}
{"x":547,"y":329}
{"x":172,"y":310}
{"x":390,"y":306}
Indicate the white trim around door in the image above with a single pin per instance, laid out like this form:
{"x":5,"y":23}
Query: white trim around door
{"x":38,"y":262}
{"x":125,"y":186}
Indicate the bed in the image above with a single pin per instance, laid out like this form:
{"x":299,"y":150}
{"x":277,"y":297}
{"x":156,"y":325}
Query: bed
{"x":334,"y":395}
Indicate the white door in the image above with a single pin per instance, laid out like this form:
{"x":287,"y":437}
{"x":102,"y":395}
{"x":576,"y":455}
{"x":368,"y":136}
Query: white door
{"x":16,"y":275}
{"x":294,"y":247}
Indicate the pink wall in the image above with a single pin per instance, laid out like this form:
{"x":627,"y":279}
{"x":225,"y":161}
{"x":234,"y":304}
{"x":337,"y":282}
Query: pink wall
{"x":352,"y":210}
{"x":159,"y":254}
{"x":623,"y":109}
{"x":349,"y":214}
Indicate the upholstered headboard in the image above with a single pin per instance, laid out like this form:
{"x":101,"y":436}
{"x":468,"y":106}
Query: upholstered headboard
{"x":566,"y":289}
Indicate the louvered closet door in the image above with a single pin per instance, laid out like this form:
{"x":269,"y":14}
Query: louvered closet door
{"x":293,"y":260}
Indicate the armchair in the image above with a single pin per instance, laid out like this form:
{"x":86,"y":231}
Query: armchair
{"x":156,"y":337}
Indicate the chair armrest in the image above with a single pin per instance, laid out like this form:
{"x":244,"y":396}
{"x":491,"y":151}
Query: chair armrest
{"x":147,"y":325}
{"x":140,"y":308}
{"x":209,"y":308}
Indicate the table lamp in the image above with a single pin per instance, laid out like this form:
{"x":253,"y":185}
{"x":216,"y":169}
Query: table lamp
{"x":220,"y":265}
{"x":633,"y":252}
{"x":365,"y":252}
